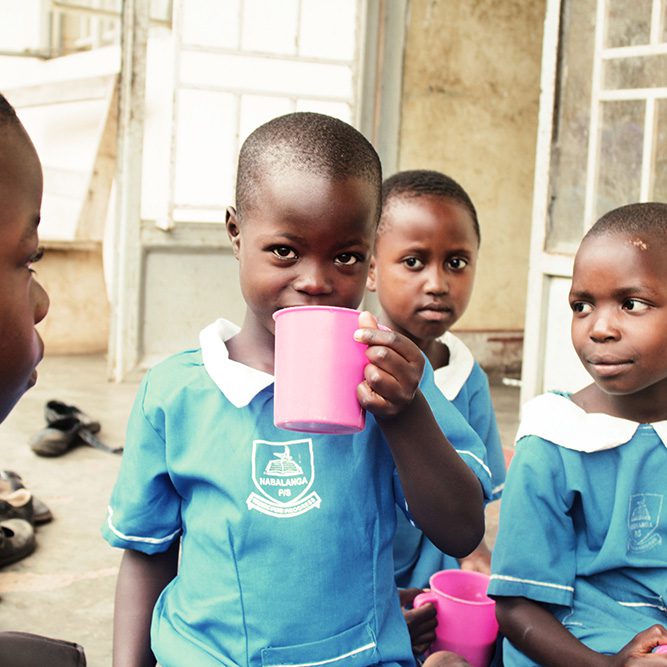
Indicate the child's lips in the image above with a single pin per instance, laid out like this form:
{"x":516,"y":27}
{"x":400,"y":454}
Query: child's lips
{"x":606,"y":366}
{"x":435,"y":314}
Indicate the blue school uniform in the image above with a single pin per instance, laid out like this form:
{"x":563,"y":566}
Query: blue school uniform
{"x":466,"y":385}
{"x":285,"y":537}
{"x":583,"y":527}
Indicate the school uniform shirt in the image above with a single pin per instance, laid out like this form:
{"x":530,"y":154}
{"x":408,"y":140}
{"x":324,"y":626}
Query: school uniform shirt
{"x":285,"y":537}
{"x":583,"y":527}
{"x":465,"y":384}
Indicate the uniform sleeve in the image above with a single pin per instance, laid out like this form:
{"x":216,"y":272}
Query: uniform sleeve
{"x":459,"y":433}
{"x":534,"y":553}
{"x":482,"y":418}
{"x":144,"y":510}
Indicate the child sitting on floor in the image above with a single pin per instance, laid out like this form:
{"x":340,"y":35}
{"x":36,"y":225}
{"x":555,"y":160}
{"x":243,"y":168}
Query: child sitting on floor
{"x":259,"y":584}
{"x":423,"y":270}
{"x":580,"y":563}
{"x":23,"y":303}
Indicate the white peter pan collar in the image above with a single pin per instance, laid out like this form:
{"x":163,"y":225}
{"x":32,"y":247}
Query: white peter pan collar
{"x":238,"y":382}
{"x":451,"y":378}
{"x":556,"y":418}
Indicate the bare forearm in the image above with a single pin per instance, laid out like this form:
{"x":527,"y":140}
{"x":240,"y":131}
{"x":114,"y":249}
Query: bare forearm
{"x":141,"y":579}
{"x":444,"y":495}
{"x":538,"y":634}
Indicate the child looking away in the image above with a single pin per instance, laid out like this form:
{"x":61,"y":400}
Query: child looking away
{"x":279,"y":581}
{"x":580,"y":564}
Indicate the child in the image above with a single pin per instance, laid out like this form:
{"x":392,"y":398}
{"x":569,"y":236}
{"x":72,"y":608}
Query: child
{"x":423,"y":269}
{"x":23,"y":303}
{"x":261,"y":580}
{"x":580,"y":564}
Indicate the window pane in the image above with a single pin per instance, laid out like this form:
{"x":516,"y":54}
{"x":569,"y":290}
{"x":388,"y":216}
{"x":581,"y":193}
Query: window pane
{"x":211,"y":23}
{"x":640,"y":72}
{"x":621,"y":140}
{"x":628,"y":23}
{"x":571,"y":127}
{"x":335,"y":109}
{"x":269,"y":26}
{"x":328,"y":29}
{"x":205,"y":148}
{"x":266,"y":75}
{"x":660,"y":161}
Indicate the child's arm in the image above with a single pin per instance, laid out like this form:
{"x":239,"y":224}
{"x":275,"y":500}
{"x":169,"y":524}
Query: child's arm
{"x":141,"y":579}
{"x":443,"y":493}
{"x":538,"y":634}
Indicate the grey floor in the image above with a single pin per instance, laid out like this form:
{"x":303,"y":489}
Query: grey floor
{"x":65,"y":588}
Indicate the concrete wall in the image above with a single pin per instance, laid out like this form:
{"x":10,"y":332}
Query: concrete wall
{"x":78,"y":319}
{"x":470,"y":106}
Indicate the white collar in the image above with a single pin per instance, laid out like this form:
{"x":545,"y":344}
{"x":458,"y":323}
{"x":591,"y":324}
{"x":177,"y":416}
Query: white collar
{"x":238,"y":382}
{"x":451,"y":378}
{"x":556,"y":418}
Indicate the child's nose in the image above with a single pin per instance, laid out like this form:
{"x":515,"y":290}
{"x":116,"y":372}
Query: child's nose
{"x":313,"y":280}
{"x":604,"y":326}
{"x":436,"y":280}
{"x":41,"y":301}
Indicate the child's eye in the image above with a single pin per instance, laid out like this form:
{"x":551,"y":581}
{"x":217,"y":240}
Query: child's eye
{"x":348,"y":259}
{"x":284,"y":252}
{"x":35,"y":257}
{"x":581,"y":307}
{"x":635,"y":305}
{"x":413,"y":263}
{"x":457,"y":263}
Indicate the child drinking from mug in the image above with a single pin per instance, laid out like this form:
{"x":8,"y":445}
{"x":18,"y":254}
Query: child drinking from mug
{"x":423,"y":271}
{"x":580,"y":563}
{"x":262,"y":583}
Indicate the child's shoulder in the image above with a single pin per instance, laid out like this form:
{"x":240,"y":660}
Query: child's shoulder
{"x":462,"y":369}
{"x":175,"y":371}
{"x":555,"y":418}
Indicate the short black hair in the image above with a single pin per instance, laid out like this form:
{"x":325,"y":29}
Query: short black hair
{"x":648,"y":219}
{"x":305,"y":141}
{"x":427,"y":183}
{"x":7,"y":112}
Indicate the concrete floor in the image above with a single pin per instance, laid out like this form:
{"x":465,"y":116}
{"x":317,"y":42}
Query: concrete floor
{"x":66,"y":588}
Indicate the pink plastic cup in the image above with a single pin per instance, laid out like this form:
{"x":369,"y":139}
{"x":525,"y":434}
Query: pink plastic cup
{"x":661,"y":648}
{"x":466,"y":615}
{"x":317,"y":368}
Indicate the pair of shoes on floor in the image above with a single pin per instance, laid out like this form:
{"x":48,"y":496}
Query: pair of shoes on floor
{"x":67,"y":427}
{"x":18,"y":502}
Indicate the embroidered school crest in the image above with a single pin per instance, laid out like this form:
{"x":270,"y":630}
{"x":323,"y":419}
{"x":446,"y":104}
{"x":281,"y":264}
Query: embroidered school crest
{"x":644,"y":515}
{"x":283,"y":473}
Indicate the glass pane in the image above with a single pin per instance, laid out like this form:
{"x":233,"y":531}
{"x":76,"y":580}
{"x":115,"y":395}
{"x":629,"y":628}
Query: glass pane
{"x":266,"y":75}
{"x":269,"y":26}
{"x":571,"y":127}
{"x":211,"y":23}
{"x":205,"y":148}
{"x":660,"y":159}
{"x":328,"y":29}
{"x":640,"y":72}
{"x":628,"y":23}
{"x":621,"y":141}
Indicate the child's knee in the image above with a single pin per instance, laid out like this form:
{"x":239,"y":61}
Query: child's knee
{"x":445,"y":659}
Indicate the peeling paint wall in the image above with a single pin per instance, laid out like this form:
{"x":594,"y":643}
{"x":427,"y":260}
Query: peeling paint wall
{"x":469,"y":109}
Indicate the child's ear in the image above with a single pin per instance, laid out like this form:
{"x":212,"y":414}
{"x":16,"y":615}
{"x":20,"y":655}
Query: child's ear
{"x":370,"y":280}
{"x":233,"y":229}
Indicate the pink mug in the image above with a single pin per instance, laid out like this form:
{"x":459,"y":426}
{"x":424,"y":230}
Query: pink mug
{"x":661,"y":648}
{"x":466,"y":615}
{"x":317,"y":368}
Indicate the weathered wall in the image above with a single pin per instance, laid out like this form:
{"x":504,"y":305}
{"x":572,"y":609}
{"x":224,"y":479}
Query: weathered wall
{"x":78,"y":319}
{"x":470,"y":105}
